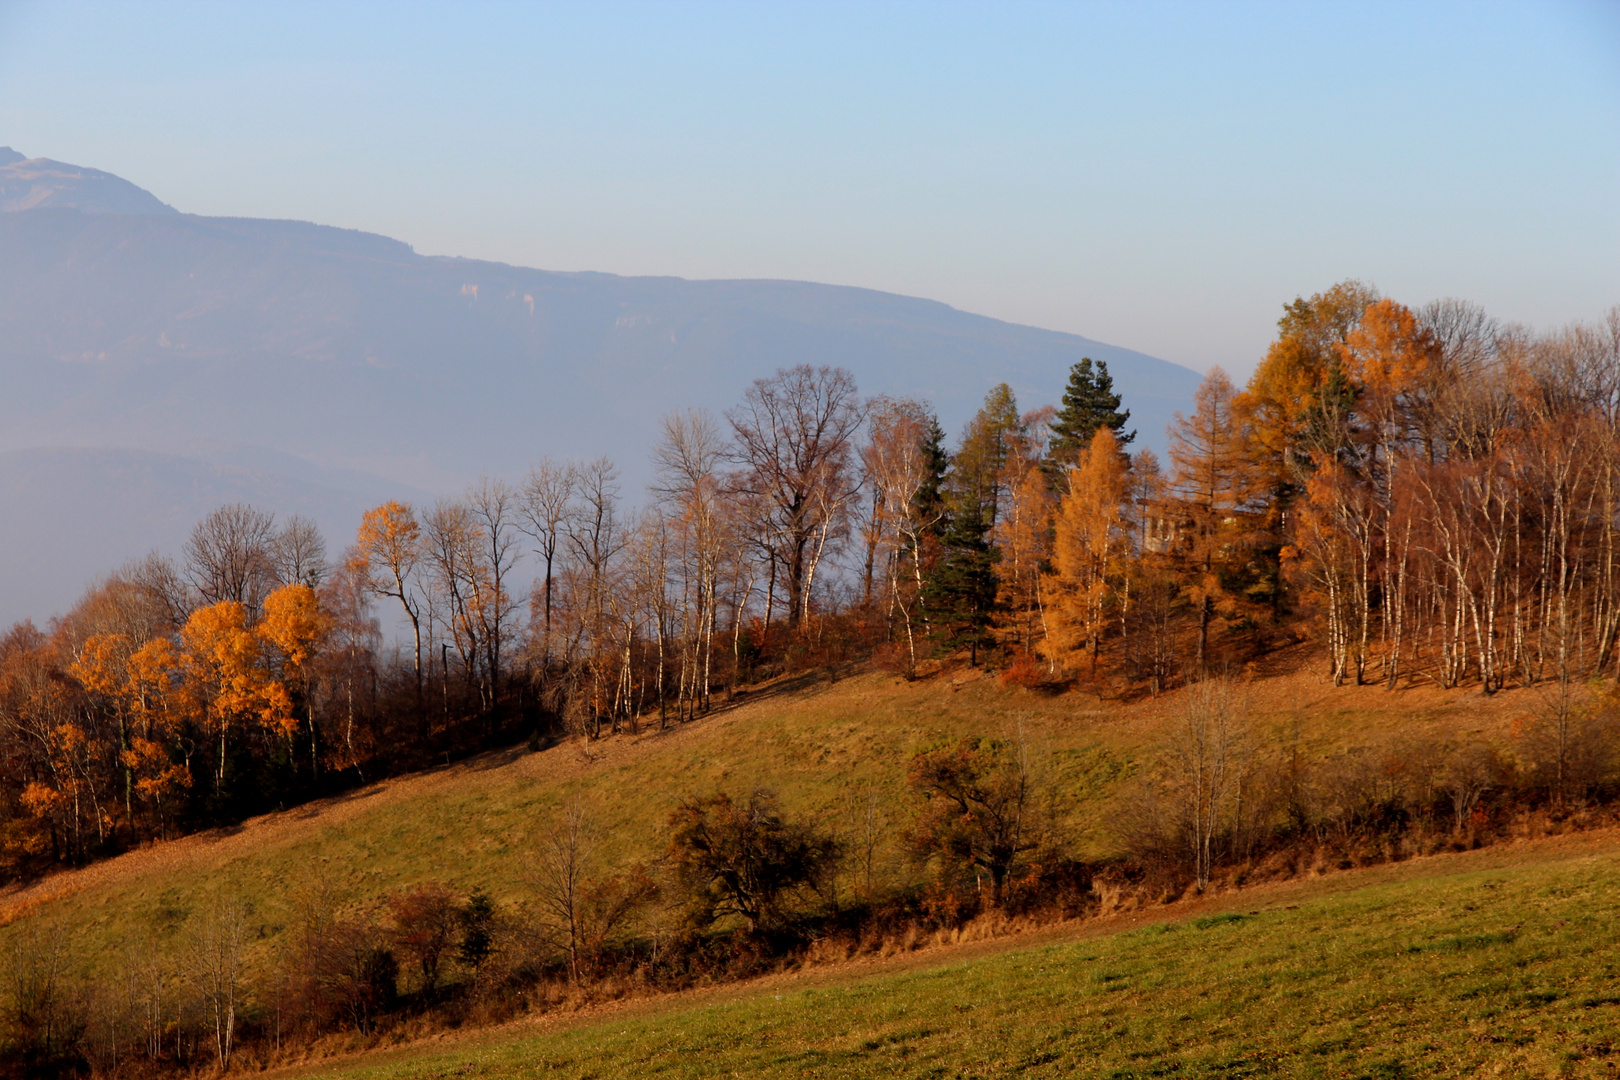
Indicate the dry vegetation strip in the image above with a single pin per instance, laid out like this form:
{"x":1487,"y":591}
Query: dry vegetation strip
{"x":1502,"y":960}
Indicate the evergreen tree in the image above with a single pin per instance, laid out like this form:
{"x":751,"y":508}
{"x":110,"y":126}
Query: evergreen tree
{"x":977,"y":469}
{"x":960,"y":594}
{"x":1089,"y":403}
{"x":930,"y":496}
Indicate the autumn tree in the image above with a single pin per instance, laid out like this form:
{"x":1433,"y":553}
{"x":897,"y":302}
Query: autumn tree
{"x":978,"y":810}
{"x":1214,"y":484}
{"x":387,"y":555}
{"x":1149,"y":589}
{"x":794,"y":435}
{"x":1090,"y":547}
{"x":226,"y":682}
{"x":294,"y":631}
{"x":1022,"y":533}
{"x":1298,"y":400}
{"x":424,"y":921}
{"x":745,"y":858}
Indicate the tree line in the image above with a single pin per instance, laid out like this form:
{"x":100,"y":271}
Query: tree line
{"x":1426,"y":495}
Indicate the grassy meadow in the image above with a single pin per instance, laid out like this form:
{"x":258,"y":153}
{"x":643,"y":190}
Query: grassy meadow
{"x":1504,"y":962}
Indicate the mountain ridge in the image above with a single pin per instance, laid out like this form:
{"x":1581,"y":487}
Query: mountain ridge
{"x":30,"y":183}
{"x":348,"y":350}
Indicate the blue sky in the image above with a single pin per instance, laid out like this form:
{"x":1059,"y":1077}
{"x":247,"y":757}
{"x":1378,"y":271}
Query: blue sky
{"x":1160,"y":176}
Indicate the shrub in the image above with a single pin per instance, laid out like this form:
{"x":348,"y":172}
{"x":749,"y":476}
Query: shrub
{"x":1025,"y":672}
{"x":977,"y":813}
{"x":477,"y":921}
{"x":745,"y":858}
{"x":424,"y":928}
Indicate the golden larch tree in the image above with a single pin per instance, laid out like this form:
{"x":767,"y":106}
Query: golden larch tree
{"x":1089,"y":544}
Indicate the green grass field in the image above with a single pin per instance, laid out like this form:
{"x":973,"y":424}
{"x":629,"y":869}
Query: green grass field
{"x":1511,"y":970}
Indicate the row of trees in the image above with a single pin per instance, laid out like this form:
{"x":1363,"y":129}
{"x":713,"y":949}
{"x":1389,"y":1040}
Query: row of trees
{"x":1430,"y":495}
{"x":1435,"y":495}
{"x":807,"y":527}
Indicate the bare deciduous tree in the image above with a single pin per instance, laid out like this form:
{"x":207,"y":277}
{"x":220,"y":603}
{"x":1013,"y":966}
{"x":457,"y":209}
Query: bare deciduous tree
{"x":558,"y":877}
{"x":548,"y":492}
{"x":896,"y":470}
{"x":795,"y":433}
{"x":495,"y":508}
{"x":1207,"y":759}
{"x":298,"y":553}
{"x":228,"y":556}
{"x":214,"y":967}
{"x":688,"y":458}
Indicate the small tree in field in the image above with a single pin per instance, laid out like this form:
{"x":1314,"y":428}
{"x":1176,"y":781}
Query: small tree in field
{"x":579,"y":907}
{"x":425,"y":920}
{"x":978,"y":812}
{"x":1207,"y":759}
{"x":214,"y":964}
{"x":745,"y":858}
{"x":477,"y":921}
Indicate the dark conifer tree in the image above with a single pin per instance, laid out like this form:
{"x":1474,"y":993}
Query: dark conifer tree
{"x":1089,"y":402}
{"x":931,"y":495}
{"x":960,"y":594}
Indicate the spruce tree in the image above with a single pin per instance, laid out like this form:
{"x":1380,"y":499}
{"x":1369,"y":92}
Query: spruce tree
{"x":930,"y":497}
{"x":960,"y":594}
{"x":1089,"y":402}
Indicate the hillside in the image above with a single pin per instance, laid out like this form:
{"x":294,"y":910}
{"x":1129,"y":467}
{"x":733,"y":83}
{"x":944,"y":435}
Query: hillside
{"x":1513,"y":939}
{"x":818,"y":744}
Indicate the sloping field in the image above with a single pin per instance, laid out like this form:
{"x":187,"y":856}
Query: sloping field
{"x":1501,"y":962}
{"x":820,"y":744}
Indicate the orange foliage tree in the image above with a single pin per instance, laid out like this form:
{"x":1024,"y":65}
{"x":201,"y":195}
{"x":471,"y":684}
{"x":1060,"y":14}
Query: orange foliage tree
{"x":227,"y":682}
{"x":1090,"y":544}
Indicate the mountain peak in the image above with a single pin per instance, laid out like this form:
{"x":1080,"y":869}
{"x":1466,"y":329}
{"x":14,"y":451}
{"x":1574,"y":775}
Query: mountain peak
{"x":40,"y":183}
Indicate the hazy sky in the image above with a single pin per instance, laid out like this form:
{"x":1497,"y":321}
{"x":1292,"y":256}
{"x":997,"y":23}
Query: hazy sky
{"x":1158,"y":176}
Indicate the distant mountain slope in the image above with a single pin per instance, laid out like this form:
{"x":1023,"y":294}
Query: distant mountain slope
{"x":171,"y":333}
{"x":31,"y":183}
{"x":348,"y":349}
